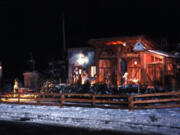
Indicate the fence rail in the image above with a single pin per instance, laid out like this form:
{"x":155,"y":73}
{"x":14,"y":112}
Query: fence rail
{"x":156,"y":100}
{"x":131,"y":102}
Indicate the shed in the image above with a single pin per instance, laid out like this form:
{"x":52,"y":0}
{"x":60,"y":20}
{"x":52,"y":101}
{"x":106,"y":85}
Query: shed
{"x":134,"y":60}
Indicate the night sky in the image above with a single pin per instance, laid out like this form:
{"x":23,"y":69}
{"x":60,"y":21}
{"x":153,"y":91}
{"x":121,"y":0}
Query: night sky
{"x":34,"y":26}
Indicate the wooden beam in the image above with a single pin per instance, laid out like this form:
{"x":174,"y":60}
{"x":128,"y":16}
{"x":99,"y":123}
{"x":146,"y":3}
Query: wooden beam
{"x":156,"y":101}
{"x":97,"y":63}
{"x":157,"y":106}
{"x":164,"y":72}
{"x":119,"y":66}
{"x":153,"y":63}
{"x":137,"y":70}
{"x":144,"y":68}
{"x":157,"y":94}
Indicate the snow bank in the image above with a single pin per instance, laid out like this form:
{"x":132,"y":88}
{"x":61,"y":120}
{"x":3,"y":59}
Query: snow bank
{"x":161,"y":121}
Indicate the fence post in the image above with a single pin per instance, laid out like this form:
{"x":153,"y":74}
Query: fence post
{"x":62,"y":100}
{"x":18,"y":97}
{"x":37,"y":98}
{"x":179,"y":99}
{"x":93,"y":100}
{"x":0,"y":97}
{"x":130,"y":103}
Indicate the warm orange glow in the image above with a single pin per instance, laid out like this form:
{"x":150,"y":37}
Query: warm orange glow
{"x":135,"y":80}
{"x":169,"y":67}
{"x":100,"y":79}
{"x":119,"y":42}
{"x":114,"y":43}
{"x":104,"y":68}
{"x":93,"y":82}
{"x":16,"y":97}
{"x":108,"y":43}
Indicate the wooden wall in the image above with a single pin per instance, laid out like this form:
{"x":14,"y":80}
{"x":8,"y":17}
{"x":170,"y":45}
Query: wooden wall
{"x":148,"y":68}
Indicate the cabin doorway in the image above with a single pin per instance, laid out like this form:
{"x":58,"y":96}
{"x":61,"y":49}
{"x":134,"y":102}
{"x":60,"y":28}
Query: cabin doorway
{"x":123,"y":71}
{"x":107,"y":71}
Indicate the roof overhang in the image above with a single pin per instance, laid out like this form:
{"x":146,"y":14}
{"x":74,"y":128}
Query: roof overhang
{"x":163,"y":53}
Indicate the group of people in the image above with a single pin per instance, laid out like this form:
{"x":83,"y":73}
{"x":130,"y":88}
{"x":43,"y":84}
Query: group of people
{"x":80,"y":76}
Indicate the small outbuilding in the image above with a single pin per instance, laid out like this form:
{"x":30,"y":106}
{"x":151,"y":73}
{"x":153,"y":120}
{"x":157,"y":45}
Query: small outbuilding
{"x":125,"y":60}
{"x":135,"y":59}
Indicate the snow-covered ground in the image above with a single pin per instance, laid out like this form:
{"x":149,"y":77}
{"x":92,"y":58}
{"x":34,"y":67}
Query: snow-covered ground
{"x":159,"y":121}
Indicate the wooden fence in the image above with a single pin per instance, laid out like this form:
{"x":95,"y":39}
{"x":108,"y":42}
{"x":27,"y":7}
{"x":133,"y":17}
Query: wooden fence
{"x":131,"y":102}
{"x":92,"y":100}
{"x":155,"y":100}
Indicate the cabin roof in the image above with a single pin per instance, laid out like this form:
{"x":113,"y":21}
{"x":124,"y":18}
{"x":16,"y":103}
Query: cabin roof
{"x":129,"y":40}
{"x":163,"y":53}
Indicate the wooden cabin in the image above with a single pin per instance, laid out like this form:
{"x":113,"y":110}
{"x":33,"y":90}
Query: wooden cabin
{"x":134,"y":60}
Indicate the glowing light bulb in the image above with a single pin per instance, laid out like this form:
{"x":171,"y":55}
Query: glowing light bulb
{"x":124,"y":44}
{"x":82,"y":59}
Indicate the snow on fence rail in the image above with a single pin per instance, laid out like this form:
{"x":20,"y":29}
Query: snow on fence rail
{"x":131,"y":102}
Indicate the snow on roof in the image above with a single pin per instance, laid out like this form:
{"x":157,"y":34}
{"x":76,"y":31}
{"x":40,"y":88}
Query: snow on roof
{"x":163,"y":53}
